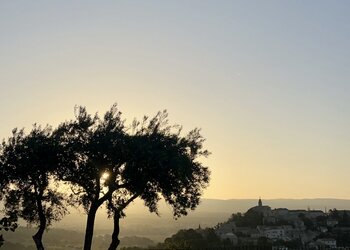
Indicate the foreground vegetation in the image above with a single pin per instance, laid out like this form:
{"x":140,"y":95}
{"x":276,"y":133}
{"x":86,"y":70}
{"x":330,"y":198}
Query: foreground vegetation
{"x":92,"y":161}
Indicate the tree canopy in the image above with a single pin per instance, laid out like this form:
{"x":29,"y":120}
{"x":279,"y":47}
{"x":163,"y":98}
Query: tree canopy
{"x":103,"y":161}
{"x":28,"y":164}
{"x":161,"y":164}
{"x":106,"y":161}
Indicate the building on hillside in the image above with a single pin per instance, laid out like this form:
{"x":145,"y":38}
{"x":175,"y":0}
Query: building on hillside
{"x":223,"y":228}
{"x":302,"y":226}
{"x":280,"y":212}
{"x":308,"y":236}
{"x":283,"y":214}
{"x":331,"y":222}
{"x":313,"y":214}
{"x":229,"y":236}
{"x":292,"y":233}
{"x":295,"y":214}
{"x":244,"y":231}
{"x":272,"y":232}
{"x":254,"y":233}
{"x":263,"y":210}
{"x":299,"y":224}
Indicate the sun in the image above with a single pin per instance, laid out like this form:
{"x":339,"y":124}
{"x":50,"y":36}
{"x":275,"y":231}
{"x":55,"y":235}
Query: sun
{"x":105,"y":176}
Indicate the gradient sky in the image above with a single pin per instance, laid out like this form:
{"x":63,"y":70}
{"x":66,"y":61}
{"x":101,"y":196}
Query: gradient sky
{"x":267,"y":81}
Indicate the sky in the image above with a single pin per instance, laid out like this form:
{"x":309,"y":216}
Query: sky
{"x":268,"y":82}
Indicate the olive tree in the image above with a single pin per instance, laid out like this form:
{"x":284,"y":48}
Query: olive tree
{"x":28,"y":164}
{"x":161,"y":163}
{"x":90,"y":148}
{"x":107,"y":162}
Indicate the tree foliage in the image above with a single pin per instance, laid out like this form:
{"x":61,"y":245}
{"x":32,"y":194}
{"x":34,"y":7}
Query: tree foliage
{"x":104,"y":162}
{"x":160,"y":164}
{"x":194,"y":239}
{"x":249,"y":219}
{"x":163,"y":163}
{"x":29,"y":162}
{"x":91,"y":149}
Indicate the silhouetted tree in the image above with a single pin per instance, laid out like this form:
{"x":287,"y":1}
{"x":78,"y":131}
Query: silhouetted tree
{"x":160,"y":163}
{"x":91,"y":158}
{"x":28,"y":162}
{"x":105,"y":163}
{"x":249,"y":219}
{"x":184,"y":239}
{"x":334,"y":214}
{"x":195,"y":239}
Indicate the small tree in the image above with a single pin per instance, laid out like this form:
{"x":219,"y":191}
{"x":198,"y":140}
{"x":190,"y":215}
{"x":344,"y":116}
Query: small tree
{"x":29,"y":162}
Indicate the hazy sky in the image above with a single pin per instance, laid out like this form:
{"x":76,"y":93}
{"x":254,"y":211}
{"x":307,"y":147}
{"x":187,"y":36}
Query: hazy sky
{"x":267,"y":81}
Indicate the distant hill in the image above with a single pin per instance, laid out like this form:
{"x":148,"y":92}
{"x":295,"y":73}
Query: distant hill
{"x":139,"y":222}
{"x":242,"y":205}
{"x":210,"y":212}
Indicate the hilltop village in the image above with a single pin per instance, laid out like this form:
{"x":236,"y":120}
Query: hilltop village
{"x":261,"y":225}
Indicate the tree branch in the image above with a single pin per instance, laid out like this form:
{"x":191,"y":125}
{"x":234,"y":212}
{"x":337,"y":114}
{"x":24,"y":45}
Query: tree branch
{"x":132,"y":198}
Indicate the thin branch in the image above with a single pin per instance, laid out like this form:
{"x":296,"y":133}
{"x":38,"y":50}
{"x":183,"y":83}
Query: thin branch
{"x":132,"y":198}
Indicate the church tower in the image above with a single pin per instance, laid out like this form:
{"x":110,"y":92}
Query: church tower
{"x":260,"y":202}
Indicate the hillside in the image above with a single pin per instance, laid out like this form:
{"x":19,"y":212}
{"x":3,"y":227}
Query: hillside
{"x":211,"y":211}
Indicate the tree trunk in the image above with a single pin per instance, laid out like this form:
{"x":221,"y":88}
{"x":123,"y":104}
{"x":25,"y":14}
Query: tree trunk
{"x":39,"y":235}
{"x":115,"y":240}
{"x":89,"y":231}
{"x":38,"y":240}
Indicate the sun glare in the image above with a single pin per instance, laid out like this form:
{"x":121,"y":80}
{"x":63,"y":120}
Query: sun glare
{"x":105,"y":176}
